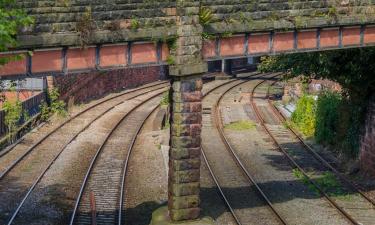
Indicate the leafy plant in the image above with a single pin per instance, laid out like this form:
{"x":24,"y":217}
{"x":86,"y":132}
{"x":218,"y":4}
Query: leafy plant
{"x":205,"y":16}
{"x":304,"y":115}
{"x":12,"y":19}
{"x":13,"y":113}
{"x":85,"y":27}
{"x":170,"y":60}
{"x":134,"y":24}
{"x":327,"y":117}
{"x":56,"y":106}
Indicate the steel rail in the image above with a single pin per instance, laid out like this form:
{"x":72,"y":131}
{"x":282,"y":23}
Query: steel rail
{"x":219,"y":188}
{"x":14,"y":215}
{"x":311,"y":150}
{"x":293,"y":162}
{"x":99,"y":150}
{"x":31,"y":148}
{"x":219,"y":127}
{"x":125,"y":167}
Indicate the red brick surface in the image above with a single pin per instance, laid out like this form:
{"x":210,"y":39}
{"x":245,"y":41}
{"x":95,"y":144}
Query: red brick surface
{"x":87,"y":86}
{"x":15,"y":67}
{"x":81,"y":58}
{"x":259,"y":43}
{"x":369,"y":35}
{"x":329,"y":38}
{"x":283,"y":42}
{"x":232,"y":46}
{"x":47,"y":61}
{"x":351,"y":36}
{"x":306,"y":39}
{"x":209,"y":48}
{"x":113,"y":55}
{"x":144,"y":53}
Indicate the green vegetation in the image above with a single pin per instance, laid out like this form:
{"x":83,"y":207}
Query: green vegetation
{"x":12,"y":19}
{"x":56,"y":106}
{"x":326,"y":181}
{"x":13,"y":113}
{"x":339,"y":117}
{"x":134,"y":24}
{"x":304,"y":115}
{"x":165,"y":101}
{"x":205,"y":16}
{"x":240,"y":125}
{"x":327,"y":117}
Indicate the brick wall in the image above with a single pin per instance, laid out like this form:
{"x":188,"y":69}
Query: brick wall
{"x":367,"y":155}
{"x":87,"y":86}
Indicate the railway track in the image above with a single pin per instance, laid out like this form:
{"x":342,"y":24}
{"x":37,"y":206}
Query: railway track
{"x":17,"y":196}
{"x":105,"y":177}
{"x":314,"y":153}
{"x":242,"y":177}
{"x":355,"y":208}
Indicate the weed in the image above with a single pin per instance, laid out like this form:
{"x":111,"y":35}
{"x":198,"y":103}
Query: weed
{"x":240,"y":125}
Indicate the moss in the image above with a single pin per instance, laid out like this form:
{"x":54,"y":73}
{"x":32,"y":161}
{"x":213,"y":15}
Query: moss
{"x":240,"y":125}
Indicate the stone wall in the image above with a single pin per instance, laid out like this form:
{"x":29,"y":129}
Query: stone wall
{"x":83,"y":87}
{"x":248,"y":15}
{"x":367,"y":153}
{"x":73,"y":22}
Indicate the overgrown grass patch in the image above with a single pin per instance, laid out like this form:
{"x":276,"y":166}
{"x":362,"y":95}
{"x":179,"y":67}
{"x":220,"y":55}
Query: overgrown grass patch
{"x":326,"y":181}
{"x":240,"y":125}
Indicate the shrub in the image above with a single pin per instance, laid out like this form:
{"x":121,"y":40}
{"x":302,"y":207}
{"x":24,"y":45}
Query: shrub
{"x":327,"y":117}
{"x":304,"y":115}
{"x":13,"y":113}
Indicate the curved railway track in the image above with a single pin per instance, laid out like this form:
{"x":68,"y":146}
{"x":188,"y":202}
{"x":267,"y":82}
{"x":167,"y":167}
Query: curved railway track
{"x":311,"y":150}
{"x":352,"y":212}
{"x":102,"y":171}
{"x":23,"y":194}
{"x":215,"y":114}
{"x":71,"y":119}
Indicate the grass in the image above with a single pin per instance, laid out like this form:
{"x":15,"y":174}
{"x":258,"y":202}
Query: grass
{"x":327,"y":182}
{"x":241,"y":125}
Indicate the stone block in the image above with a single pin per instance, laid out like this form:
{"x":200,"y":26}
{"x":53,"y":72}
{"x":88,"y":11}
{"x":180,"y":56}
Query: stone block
{"x":184,"y":153}
{"x":185,"y":164}
{"x":185,"y":142}
{"x":185,"y":176}
{"x":184,"y":202}
{"x":187,"y":118}
{"x":184,"y":189}
{"x":184,"y":214}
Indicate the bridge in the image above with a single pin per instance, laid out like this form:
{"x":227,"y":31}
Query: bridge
{"x":83,"y":37}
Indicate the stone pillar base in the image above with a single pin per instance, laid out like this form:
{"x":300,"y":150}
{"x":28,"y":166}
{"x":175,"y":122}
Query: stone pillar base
{"x":161,"y":217}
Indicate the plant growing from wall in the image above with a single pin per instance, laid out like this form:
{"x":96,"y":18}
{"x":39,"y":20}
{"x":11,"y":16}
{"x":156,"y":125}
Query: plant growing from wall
{"x":205,"y":16}
{"x":85,"y":27}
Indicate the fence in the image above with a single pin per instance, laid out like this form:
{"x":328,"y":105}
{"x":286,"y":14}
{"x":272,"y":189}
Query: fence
{"x":31,"y":105}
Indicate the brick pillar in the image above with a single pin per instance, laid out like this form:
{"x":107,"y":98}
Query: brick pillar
{"x":367,"y":153}
{"x":186,"y":119}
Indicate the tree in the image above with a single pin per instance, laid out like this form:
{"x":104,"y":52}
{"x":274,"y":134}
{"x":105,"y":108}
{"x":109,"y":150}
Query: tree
{"x":354,"y":70}
{"x":12,"y":19}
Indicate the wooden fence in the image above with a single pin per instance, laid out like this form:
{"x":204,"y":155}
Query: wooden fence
{"x":31,"y":105}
